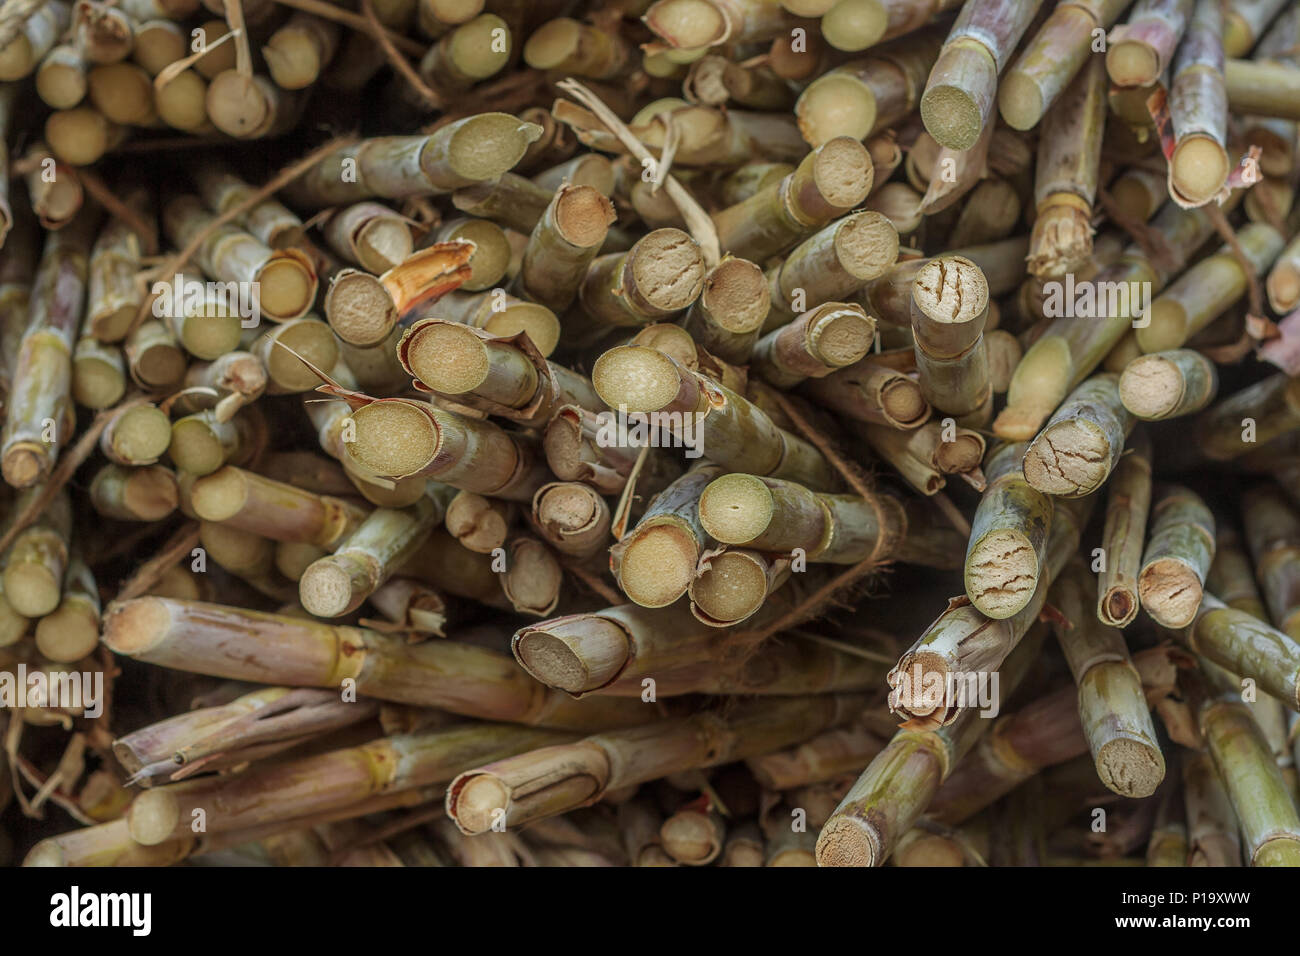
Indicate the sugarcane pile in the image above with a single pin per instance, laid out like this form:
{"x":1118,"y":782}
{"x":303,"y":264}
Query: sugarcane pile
{"x":651,"y":433}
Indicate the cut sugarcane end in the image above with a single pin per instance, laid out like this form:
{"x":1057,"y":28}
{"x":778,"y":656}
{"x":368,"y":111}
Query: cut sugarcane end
{"x":1151,"y":387}
{"x":732,"y":588}
{"x":537,"y":321}
{"x":1129,"y":767}
{"x":1020,"y":100}
{"x":450,"y":359}
{"x":360,"y":310}
{"x":590,"y":655}
{"x":383,"y":243}
{"x":1001,"y":573}
{"x":736,"y":508}
{"x":393,"y":439}
{"x":1170,"y":592}
{"x":635,"y":377}
{"x":286,"y":289}
{"x":853,"y":25}
{"x":835,"y":105}
{"x":1132,"y":63}
{"x":1199,"y":168}
{"x":658,"y":565}
{"x":154,"y":816}
{"x":1069,"y":459}
{"x":687,"y":24}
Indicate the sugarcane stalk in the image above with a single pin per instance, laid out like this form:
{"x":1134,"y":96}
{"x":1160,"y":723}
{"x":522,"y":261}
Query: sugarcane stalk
{"x":580,"y":773}
{"x":337,"y":584}
{"x":740,"y":436}
{"x":831,"y":265}
{"x":963,"y":641}
{"x":206,"y":320}
{"x":1055,"y":54}
{"x":275,"y":510}
{"x":1177,"y":557}
{"x":248,"y":556}
{"x":1140,"y":50}
{"x":61,"y":77}
{"x":399,"y":438}
{"x":853,"y":25}
{"x":71,"y":631}
{"x":895,"y":788}
{"x":491,"y":256}
{"x":269,"y":221}
{"x":1270,"y":825}
{"x":1082,"y":442}
{"x":1067,"y":352}
{"x":300,"y":652}
{"x":1207,"y":290}
{"x":1198,"y":109}
{"x":1114,"y":713}
{"x":768,"y":514}
{"x":1213,"y":837}
{"x":660,"y":275}
{"x":145,"y":493}
{"x":39,"y":402}
{"x":371,"y":235}
{"x":297,"y":52}
{"x":1008,"y":541}
{"x":655,"y":563}
{"x":327,"y":782}
{"x":829,"y":337}
{"x":572,"y":518}
{"x":578,"y":49}
{"x":1168,"y":384}
{"x":732,"y":584}
{"x":960,"y":92}
{"x":37,"y":561}
{"x":829,"y":182}
{"x":479,"y":523}
{"x":136,"y":436}
{"x":926,"y":455}
{"x":873,"y":393}
{"x":98,"y":373}
{"x":286,"y":349}
{"x":1123,"y":536}
{"x":1255,"y":414}
{"x":476,"y":149}
{"x":1065,"y":184}
{"x":727,"y":318}
{"x":1231,"y":577}
{"x":502,"y":315}
{"x":563,"y":244}
{"x":950,"y":302}
{"x":284,"y":279}
{"x":827,"y":756}
{"x":35,"y":36}
{"x":113,"y":296}
{"x":1273,"y":534}
{"x":865,"y":96}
